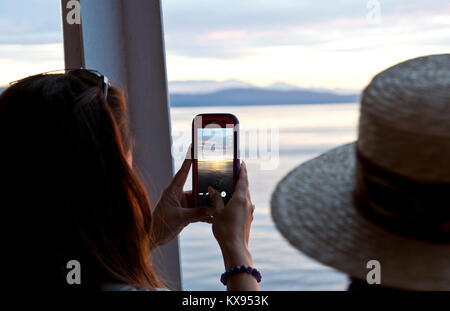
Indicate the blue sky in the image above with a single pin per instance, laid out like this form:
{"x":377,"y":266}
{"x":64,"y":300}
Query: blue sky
{"x":307,"y":43}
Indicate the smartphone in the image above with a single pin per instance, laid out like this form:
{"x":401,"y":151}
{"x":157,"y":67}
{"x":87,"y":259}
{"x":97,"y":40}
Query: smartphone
{"x":215,"y":156}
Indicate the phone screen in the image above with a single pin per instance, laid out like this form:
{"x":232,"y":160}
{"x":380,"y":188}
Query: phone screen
{"x":215,"y":162}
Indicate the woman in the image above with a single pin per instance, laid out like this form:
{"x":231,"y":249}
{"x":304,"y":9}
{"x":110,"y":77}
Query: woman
{"x":69,"y":192}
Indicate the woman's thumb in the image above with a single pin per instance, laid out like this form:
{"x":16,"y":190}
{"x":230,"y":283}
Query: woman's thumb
{"x":216,"y":199}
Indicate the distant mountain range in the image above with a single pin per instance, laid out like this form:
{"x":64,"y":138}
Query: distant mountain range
{"x":254,"y":97}
{"x":238,"y":93}
{"x":210,"y":86}
{"x":205,"y":86}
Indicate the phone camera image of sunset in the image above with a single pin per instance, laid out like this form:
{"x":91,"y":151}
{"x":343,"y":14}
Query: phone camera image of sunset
{"x":215,"y":162}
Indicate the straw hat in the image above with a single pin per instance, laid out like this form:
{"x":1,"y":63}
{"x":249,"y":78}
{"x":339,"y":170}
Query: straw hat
{"x":387,"y":196}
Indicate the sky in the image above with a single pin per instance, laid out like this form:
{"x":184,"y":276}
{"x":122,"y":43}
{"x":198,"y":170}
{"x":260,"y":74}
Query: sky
{"x":314,"y":44}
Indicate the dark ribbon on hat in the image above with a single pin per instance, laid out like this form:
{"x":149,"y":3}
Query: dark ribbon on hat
{"x":401,"y":204}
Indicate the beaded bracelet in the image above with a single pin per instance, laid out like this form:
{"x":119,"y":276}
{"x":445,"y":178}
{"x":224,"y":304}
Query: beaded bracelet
{"x":252,"y":271}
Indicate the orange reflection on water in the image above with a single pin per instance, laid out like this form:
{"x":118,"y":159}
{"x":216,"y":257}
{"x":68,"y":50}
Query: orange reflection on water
{"x":215,"y":165}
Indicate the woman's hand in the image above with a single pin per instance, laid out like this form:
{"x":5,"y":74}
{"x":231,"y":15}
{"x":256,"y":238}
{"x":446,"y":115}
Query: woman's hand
{"x":231,"y":228}
{"x":174,"y":210}
{"x":231,"y":223}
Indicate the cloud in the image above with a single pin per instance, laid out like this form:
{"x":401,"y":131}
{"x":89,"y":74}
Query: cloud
{"x":197,"y":28}
{"x":232,"y":29}
{"x":17,"y":62}
{"x":30,"y":22}
{"x":222,"y":35}
{"x":304,"y":42}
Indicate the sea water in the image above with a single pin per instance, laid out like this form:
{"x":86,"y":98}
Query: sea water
{"x":304,"y":131}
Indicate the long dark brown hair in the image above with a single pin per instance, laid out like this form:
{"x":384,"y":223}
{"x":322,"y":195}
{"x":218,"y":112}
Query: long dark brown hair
{"x":66,"y":187}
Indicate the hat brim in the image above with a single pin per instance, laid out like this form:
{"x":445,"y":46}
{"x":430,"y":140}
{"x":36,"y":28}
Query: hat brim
{"x":314,"y":210}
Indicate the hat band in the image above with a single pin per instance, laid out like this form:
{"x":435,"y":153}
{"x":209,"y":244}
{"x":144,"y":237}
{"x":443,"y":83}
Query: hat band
{"x":401,"y":204}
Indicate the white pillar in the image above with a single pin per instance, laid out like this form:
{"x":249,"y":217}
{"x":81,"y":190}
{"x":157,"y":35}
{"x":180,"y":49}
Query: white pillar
{"x":124,"y":40}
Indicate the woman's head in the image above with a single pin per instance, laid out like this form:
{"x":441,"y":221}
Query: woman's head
{"x":68,"y":189}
